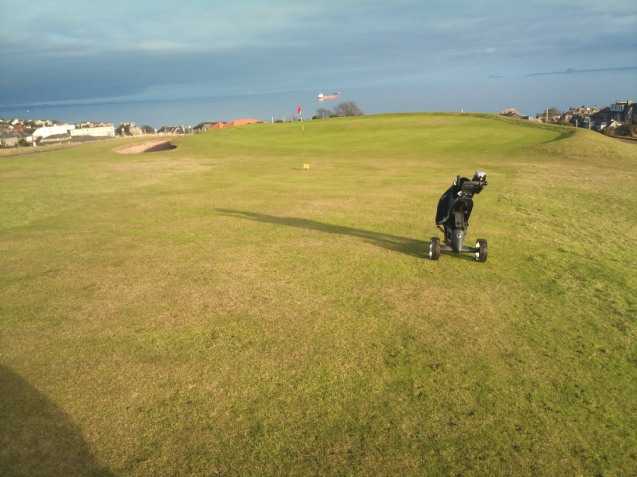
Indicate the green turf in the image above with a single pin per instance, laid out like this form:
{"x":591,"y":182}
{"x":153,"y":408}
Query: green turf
{"x":216,"y":309}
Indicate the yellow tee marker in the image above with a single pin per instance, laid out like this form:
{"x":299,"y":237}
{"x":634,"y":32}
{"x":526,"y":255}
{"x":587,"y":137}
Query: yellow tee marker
{"x":306,"y":167}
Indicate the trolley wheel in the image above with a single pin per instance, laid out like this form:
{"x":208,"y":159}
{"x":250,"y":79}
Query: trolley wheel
{"x":481,"y":253}
{"x":434,"y":249}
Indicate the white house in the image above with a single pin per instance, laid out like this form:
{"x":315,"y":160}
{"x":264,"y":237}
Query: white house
{"x":97,"y":131}
{"x":46,"y":131}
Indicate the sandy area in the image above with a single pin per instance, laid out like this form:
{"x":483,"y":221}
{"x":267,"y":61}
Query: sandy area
{"x":150,"y":146}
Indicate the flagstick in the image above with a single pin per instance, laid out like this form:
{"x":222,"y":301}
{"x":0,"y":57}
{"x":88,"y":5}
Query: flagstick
{"x":306,"y":166}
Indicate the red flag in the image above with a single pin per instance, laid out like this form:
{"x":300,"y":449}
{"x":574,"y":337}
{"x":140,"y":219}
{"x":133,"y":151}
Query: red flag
{"x":299,"y":109}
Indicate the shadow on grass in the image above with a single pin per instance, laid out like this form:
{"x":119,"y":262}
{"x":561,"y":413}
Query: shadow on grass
{"x":412,"y":247}
{"x":163,"y":146}
{"x":37,"y":437}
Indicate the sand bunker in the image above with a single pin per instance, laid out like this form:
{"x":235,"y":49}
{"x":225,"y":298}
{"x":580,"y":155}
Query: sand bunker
{"x":152,"y":146}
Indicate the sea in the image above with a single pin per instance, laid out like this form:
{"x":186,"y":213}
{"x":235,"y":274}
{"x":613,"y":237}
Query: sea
{"x":267,"y":106}
{"x":528,"y":95}
{"x":157,"y":112}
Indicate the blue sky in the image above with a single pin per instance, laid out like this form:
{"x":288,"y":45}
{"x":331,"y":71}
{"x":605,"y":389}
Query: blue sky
{"x":398,"y":55}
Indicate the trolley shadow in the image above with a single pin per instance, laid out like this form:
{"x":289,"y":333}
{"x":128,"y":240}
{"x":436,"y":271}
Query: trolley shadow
{"x":407,"y":246}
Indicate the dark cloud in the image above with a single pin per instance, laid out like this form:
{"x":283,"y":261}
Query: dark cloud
{"x":574,"y":71}
{"x":135,"y":49}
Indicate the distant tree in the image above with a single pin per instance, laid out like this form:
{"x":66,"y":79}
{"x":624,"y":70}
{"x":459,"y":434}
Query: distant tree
{"x":348,"y":108}
{"x":323,"y":113}
{"x":549,"y":113}
{"x":553,"y":111}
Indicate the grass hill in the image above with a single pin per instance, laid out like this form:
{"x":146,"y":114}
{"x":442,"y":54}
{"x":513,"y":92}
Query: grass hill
{"x":217,"y":309}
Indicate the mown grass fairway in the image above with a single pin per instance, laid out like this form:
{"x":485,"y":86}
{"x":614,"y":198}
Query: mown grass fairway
{"x":216,"y":309}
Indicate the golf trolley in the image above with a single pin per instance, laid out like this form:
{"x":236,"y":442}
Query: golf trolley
{"x":452,"y":218}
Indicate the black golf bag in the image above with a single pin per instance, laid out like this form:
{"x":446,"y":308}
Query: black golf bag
{"x":452,"y":218}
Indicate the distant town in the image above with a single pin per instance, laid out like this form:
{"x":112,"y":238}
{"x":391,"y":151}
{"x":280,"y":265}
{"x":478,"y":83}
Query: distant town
{"x":618,"y":120}
{"x":16,"y":132}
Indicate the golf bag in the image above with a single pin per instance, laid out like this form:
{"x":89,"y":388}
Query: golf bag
{"x":452,"y":218}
